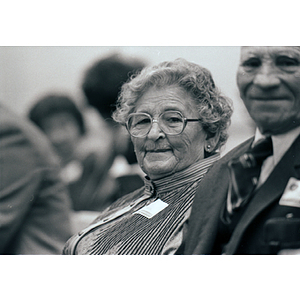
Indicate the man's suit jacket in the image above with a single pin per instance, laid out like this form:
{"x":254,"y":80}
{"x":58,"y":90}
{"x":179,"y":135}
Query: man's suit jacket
{"x":249,"y":235}
{"x":34,"y":205}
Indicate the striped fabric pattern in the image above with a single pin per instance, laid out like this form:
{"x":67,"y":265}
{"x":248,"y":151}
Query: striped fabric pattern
{"x":136,"y":234}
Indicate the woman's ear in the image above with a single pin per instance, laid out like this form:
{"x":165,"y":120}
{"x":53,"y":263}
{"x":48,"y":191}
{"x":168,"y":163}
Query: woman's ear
{"x":211,"y":142}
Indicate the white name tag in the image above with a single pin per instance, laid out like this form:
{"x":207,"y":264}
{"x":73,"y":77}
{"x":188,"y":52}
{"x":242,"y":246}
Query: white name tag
{"x":291,"y":195}
{"x":152,"y":209}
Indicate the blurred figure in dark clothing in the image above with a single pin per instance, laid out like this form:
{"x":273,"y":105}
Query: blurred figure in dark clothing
{"x":35,"y":207}
{"x":101,"y":86}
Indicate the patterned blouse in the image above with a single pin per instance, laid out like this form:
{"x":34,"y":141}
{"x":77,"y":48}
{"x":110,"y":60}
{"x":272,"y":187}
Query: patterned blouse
{"x":147,"y":222}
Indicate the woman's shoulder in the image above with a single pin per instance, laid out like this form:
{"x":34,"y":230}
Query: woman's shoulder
{"x":114,"y":209}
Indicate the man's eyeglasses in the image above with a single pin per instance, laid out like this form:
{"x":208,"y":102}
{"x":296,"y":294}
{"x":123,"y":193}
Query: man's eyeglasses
{"x":170,"y":122}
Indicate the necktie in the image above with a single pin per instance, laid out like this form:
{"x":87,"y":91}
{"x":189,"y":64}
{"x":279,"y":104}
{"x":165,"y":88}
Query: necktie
{"x":244,"y":173}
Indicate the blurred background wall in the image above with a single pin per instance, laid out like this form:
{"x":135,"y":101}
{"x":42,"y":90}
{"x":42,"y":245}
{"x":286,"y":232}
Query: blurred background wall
{"x":27,"y":73}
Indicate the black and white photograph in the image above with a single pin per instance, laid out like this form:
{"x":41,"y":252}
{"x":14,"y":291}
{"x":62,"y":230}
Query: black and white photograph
{"x":117,"y":153}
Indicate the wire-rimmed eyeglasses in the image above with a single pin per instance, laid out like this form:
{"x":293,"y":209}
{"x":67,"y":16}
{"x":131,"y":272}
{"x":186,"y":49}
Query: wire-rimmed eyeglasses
{"x":170,"y":122}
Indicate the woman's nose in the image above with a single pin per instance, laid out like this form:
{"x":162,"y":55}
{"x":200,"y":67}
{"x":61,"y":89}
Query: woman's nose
{"x":267,"y":77}
{"x":155,"y":131}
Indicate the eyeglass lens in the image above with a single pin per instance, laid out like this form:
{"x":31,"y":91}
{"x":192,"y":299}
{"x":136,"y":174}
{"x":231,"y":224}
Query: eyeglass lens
{"x":140,"y":124}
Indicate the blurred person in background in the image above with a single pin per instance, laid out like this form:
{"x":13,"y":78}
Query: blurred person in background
{"x":34,"y":203}
{"x":178,"y":122}
{"x":63,"y":123}
{"x":101,"y":86}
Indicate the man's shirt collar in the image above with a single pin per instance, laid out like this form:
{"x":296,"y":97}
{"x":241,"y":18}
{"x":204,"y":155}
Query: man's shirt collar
{"x":281,"y":142}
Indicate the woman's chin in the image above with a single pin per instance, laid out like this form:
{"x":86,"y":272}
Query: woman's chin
{"x":158,"y":169}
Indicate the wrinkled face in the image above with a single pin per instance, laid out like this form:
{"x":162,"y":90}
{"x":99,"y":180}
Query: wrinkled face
{"x":160,"y":154}
{"x":63,"y":131}
{"x":269,"y":82}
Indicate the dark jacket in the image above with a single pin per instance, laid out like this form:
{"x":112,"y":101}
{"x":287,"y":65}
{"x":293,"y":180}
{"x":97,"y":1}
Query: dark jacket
{"x":264,"y":226}
{"x":34,"y":205}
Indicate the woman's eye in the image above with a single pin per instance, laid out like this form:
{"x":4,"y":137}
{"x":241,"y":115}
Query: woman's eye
{"x":174,"y":120}
{"x":142,"y":121}
{"x":172,"y":117}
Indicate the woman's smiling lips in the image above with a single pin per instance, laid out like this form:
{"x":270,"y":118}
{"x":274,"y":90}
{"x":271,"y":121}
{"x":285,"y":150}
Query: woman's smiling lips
{"x":151,"y":147}
{"x":158,"y":152}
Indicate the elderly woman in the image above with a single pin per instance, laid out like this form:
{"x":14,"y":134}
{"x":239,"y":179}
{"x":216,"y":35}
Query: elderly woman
{"x":178,"y":122}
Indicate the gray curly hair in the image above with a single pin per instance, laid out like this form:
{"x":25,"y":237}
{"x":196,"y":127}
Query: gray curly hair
{"x":214,"y":109}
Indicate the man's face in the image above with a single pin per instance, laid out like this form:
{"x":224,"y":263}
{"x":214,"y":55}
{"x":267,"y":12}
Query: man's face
{"x":269,"y":82}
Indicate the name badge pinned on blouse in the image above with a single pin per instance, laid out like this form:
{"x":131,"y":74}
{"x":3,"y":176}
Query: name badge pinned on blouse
{"x":152,"y":209}
{"x":291,"y":195}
